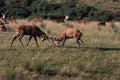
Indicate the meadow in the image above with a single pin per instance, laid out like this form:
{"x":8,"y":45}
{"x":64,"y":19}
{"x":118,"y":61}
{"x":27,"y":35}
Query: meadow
{"x":98,"y":59}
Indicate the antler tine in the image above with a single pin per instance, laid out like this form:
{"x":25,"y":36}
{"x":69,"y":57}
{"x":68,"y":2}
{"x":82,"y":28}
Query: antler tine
{"x":3,"y":15}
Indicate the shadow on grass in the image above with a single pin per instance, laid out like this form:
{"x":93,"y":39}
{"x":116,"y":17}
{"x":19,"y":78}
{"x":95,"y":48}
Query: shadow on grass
{"x":103,"y":48}
{"x":97,"y":72}
{"x":94,"y":48}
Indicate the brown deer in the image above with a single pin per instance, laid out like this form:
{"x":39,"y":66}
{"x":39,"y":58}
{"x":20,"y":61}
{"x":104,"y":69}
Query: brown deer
{"x":3,"y":21}
{"x":36,"y":19}
{"x":32,"y":31}
{"x":12,"y":20}
{"x":80,"y":21}
{"x":67,"y":34}
{"x":61,"y":20}
{"x":101,"y":23}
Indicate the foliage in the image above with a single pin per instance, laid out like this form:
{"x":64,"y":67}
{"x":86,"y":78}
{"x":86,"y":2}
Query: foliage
{"x":17,"y":12}
{"x":53,"y":10}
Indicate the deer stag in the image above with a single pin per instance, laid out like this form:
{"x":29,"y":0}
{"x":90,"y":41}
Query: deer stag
{"x":12,"y":20}
{"x":3,"y":21}
{"x":61,"y":20}
{"x":101,"y":23}
{"x":67,"y":34}
{"x":32,"y":31}
{"x":36,"y":19}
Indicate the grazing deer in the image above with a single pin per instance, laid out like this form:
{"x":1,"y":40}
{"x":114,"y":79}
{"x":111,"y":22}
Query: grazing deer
{"x":80,"y":21}
{"x":67,"y":34}
{"x":102,"y":23}
{"x":12,"y":19}
{"x":36,"y":19}
{"x":61,"y":20}
{"x":3,"y":21}
{"x":32,"y":31}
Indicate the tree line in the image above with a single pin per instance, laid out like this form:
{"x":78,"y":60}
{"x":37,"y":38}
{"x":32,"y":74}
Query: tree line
{"x":53,"y":10}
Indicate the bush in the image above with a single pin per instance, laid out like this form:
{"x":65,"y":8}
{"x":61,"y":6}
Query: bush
{"x":17,"y":12}
{"x":100,"y":15}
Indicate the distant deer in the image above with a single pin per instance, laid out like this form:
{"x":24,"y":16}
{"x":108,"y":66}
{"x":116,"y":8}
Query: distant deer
{"x":61,"y":20}
{"x":80,"y":21}
{"x":101,"y":23}
{"x":36,"y":19}
{"x":12,"y":19}
{"x":32,"y":31}
{"x":67,"y":34}
{"x":3,"y":21}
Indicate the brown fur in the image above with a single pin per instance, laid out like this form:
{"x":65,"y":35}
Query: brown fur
{"x":32,"y":31}
{"x":36,"y":19}
{"x":102,"y":23}
{"x":81,"y":22}
{"x":69,"y":33}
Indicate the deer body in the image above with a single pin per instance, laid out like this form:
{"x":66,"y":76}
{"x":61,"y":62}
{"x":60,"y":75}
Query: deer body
{"x":67,"y":34}
{"x":102,"y":23}
{"x":32,"y":31}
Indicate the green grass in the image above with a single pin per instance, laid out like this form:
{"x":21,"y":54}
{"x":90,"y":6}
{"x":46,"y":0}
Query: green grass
{"x":99,"y":58}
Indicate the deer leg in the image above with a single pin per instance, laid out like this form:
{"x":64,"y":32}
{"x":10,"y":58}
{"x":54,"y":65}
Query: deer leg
{"x":36,"y":41}
{"x":15,"y":37}
{"x":29,"y":40}
{"x":78,"y":43}
{"x":20,"y":39}
{"x":81,"y":41}
{"x":64,"y":39}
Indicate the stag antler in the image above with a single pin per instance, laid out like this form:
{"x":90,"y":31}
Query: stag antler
{"x":3,"y":15}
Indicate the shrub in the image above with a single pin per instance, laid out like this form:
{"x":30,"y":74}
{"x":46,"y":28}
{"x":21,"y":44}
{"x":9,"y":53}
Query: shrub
{"x":17,"y":12}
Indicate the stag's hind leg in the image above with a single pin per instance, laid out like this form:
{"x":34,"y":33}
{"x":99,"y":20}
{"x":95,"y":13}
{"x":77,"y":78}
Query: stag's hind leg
{"x":29,"y":40}
{"x":20,"y":39}
{"x":15,"y":37}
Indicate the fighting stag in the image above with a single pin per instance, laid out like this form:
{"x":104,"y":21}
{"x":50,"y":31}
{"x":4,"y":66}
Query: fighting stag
{"x":67,"y":34}
{"x":32,"y":31}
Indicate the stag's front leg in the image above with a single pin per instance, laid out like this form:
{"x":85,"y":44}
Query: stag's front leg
{"x":78,"y":43}
{"x":15,"y":37}
{"x":36,"y":41}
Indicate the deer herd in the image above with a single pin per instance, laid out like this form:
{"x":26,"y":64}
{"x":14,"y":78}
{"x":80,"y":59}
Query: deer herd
{"x":34,"y":31}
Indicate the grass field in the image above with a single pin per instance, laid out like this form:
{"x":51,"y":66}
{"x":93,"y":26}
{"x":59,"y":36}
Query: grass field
{"x":99,"y":58}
